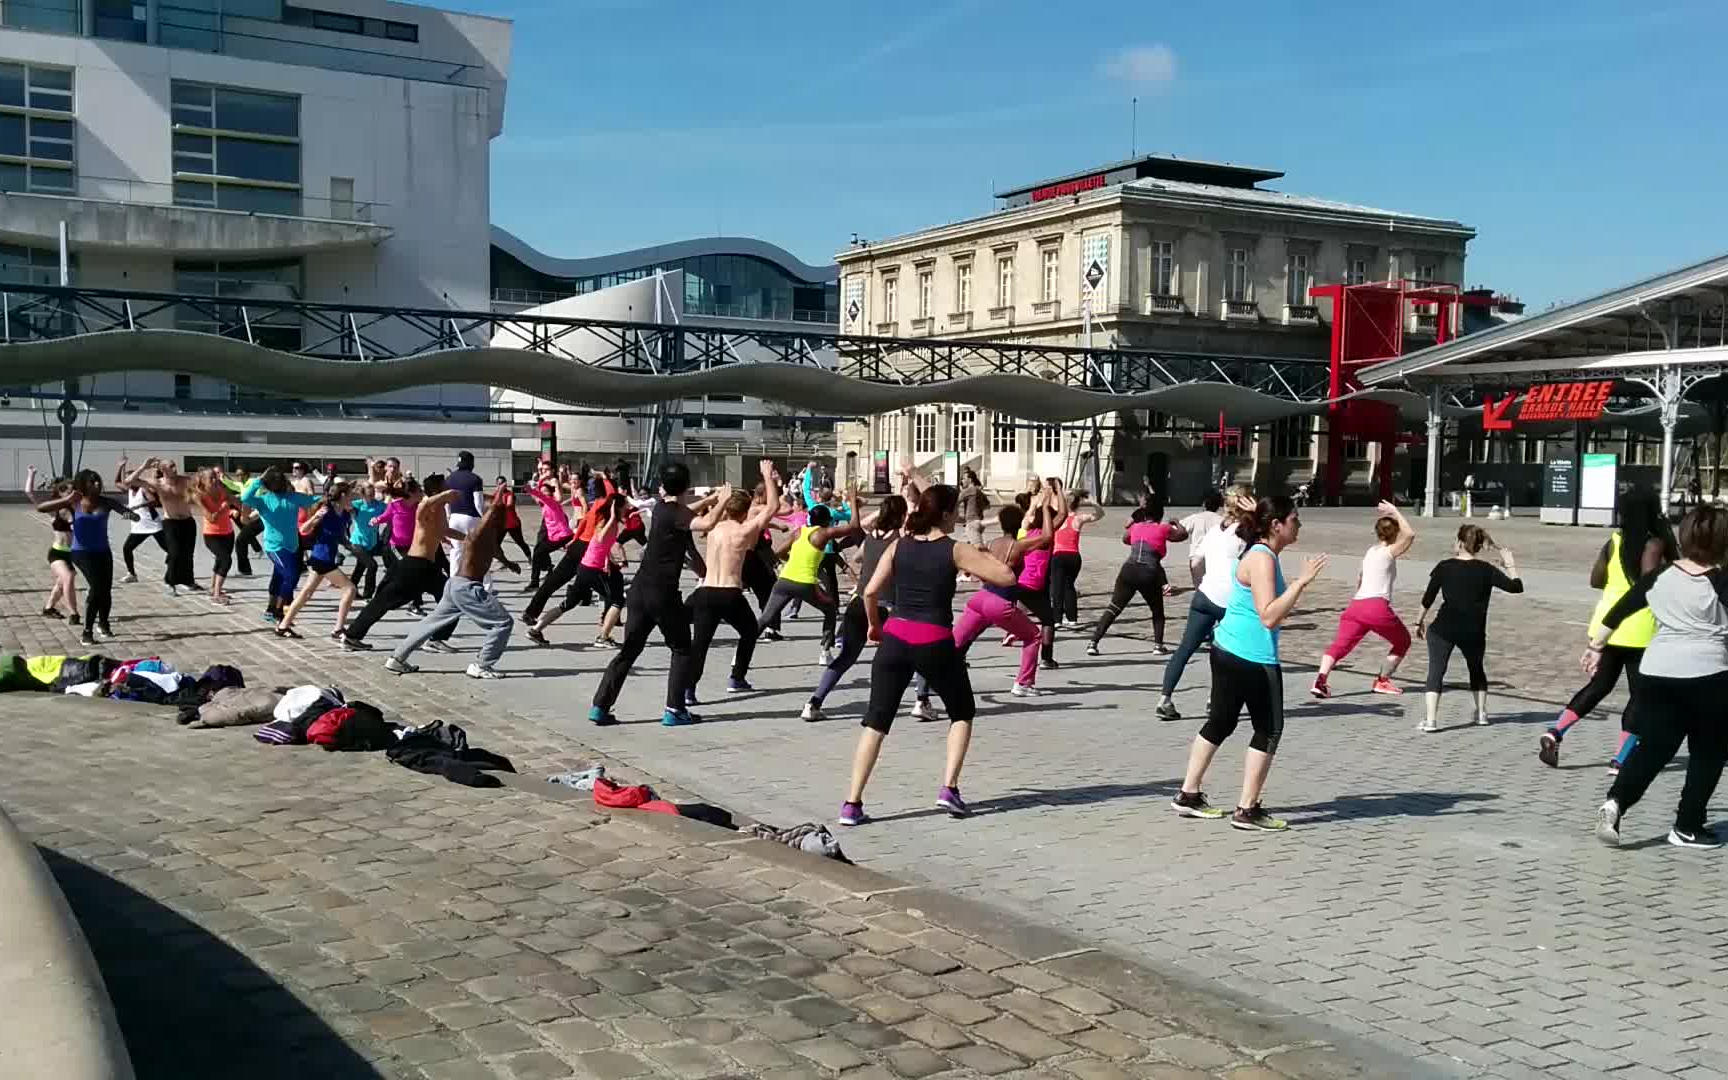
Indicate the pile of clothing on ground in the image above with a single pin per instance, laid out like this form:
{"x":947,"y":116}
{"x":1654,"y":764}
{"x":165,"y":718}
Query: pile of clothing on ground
{"x":150,"y":679}
{"x":321,"y":716}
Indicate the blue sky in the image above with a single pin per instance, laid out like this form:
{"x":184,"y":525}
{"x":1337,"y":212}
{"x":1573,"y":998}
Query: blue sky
{"x":1581,"y":139}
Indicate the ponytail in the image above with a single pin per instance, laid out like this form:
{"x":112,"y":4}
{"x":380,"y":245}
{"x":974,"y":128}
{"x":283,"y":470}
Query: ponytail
{"x":891,"y":515}
{"x":934,"y":503}
{"x":1254,"y":527}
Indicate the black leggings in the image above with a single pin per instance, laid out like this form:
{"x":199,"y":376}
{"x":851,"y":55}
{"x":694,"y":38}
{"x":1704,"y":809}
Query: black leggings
{"x":403,"y":584}
{"x":1440,"y":653}
{"x":98,"y":570}
{"x":179,"y":540}
{"x":784,"y":592}
{"x":561,"y":575}
{"x":759,"y":578}
{"x":540,"y":562}
{"x":646,"y":609}
{"x":1670,"y":710}
{"x":1037,"y":601}
{"x":609,"y":583}
{"x":514,"y":532}
{"x":1614,"y":660}
{"x":939,"y":662}
{"x":221,"y":548}
{"x":365,"y":575}
{"x":131,"y":545}
{"x":245,"y":543}
{"x":1238,"y":683}
{"x":1147,"y":579}
{"x":1064,"y":582}
{"x":709,"y":607}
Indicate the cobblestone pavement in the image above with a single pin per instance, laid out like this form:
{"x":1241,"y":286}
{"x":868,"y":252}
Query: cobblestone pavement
{"x":1441,"y":896}
{"x":265,"y":911}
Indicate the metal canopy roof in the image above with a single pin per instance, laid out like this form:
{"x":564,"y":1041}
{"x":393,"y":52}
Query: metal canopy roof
{"x":1659,"y":319}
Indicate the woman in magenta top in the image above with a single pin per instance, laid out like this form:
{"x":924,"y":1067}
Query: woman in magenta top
{"x":1033,"y":591}
{"x":400,"y":517}
{"x":994,"y":606}
{"x":1065,"y":560}
{"x":593,"y":572}
{"x":1148,"y":539}
{"x":555,"y":530}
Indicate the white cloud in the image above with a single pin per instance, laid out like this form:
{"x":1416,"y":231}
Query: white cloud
{"x":1142,"y":65}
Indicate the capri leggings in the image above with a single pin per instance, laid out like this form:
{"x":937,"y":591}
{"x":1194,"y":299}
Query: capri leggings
{"x":939,"y":662}
{"x":1440,"y":653}
{"x":221,"y":547}
{"x":1615,"y":659}
{"x":285,"y":577}
{"x":1239,"y":684}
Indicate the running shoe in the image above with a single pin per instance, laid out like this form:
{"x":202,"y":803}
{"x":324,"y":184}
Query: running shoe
{"x":825,"y":657}
{"x":1427,"y":727}
{"x":690,"y":697}
{"x":1613,"y":768}
{"x":72,"y":619}
{"x":600,"y":717}
{"x":1092,"y":649}
{"x":1160,"y":649}
{"x":288,"y":633}
{"x":483,"y":671}
{"x":337,"y":635}
{"x":678,"y":718}
{"x":1481,"y":719}
{"x":86,"y":638}
{"x":1167,"y":711}
{"x":1608,"y":823}
{"x":1009,"y":641}
{"x":1049,"y":664}
{"x":354,"y":644}
{"x":1256,"y":819}
{"x":812,"y":713}
{"x":852,"y":813}
{"x":772,"y":634}
{"x":129,"y":579}
{"x":104,"y":629}
{"x":443,"y":648}
{"x":604,"y":642}
{"x":50,"y":613}
{"x":1022,"y":690}
{"x":170,"y":591}
{"x":533,"y":634}
{"x":1694,"y":838}
{"x":417,"y":611}
{"x":739,"y":686}
{"x":269,"y":617}
{"x":400,"y":667}
{"x":1383,"y":685}
{"x":1193,"y":804}
{"x":1070,"y":624}
{"x":948,"y":798}
{"x":1320,"y":689}
{"x":923,"y":711}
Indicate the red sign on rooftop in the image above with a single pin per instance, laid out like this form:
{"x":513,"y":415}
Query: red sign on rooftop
{"x":1068,"y":187}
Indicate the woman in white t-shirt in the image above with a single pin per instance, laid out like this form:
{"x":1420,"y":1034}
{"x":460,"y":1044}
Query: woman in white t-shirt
{"x":1199,"y":526}
{"x":1218,"y":553}
{"x":1370,"y":610}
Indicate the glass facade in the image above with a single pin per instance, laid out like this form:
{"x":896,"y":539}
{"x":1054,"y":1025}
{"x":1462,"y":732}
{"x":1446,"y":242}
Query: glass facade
{"x":739,"y":286}
{"x":37,"y":129}
{"x":236,"y":149}
{"x":238,"y":282}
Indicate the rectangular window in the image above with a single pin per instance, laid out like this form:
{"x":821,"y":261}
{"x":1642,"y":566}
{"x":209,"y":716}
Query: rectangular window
{"x":1005,"y":281}
{"x":1163,"y":268}
{"x":38,"y":131}
{"x":236,"y":149}
{"x":1296,"y":279}
{"x":926,"y":293}
{"x":342,"y":198}
{"x":1047,"y":439}
{"x":965,"y":438}
{"x":1236,"y":280}
{"x":33,"y":266}
{"x":890,"y":299}
{"x":923,"y":433}
{"x":962,"y":287}
{"x":1293,"y":437}
{"x":1004,"y":435}
{"x":1425,"y":272}
{"x":237,"y":285}
{"x":51,"y":16}
{"x":1052,"y":273}
{"x":1358,"y":272}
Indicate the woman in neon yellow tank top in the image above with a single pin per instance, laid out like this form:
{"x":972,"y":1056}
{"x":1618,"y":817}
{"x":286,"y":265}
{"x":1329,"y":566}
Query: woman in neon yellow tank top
{"x":1643,"y":542}
{"x":799,"y":573}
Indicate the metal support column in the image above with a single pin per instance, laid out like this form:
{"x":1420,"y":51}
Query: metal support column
{"x":67,"y":413}
{"x":1436,"y":427}
{"x":1670,"y":390}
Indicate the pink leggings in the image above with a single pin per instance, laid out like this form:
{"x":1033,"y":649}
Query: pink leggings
{"x":987,"y":609}
{"x":1375,"y":615}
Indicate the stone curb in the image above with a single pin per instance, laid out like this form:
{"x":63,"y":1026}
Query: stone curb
{"x":56,"y":1019}
{"x":1284,"y":1044}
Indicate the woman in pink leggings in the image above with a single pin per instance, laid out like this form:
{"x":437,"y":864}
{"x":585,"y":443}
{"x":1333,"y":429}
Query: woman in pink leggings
{"x":1371,"y":609}
{"x":994,"y":606}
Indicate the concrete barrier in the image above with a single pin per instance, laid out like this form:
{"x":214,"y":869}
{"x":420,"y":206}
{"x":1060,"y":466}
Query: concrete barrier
{"x":55,"y":1016}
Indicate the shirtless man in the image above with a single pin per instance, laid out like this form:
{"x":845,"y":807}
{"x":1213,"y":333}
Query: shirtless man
{"x":179,"y":530}
{"x":467,"y":596}
{"x":733,"y":524}
{"x":416,"y":572}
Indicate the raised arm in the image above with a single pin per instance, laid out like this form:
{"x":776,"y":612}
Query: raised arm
{"x":762,"y":516}
{"x":30,"y":484}
{"x":1406,"y":535}
{"x":1509,"y":580}
{"x":824,"y":536}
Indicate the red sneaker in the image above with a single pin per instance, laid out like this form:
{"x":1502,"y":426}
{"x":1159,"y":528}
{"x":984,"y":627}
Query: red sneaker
{"x":1320,"y":689}
{"x":1383,"y":685}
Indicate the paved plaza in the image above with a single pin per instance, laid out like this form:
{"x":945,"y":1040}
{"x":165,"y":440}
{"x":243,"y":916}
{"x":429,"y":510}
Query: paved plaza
{"x":1439,"y":897}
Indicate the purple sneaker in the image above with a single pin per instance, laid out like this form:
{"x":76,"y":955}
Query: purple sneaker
{"x":949,"y":799}
{"x":852,"y":813}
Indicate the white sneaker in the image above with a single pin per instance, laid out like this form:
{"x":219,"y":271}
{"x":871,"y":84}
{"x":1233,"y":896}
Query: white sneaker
{"x":812,"y":712}
{"x":1022,"y":690}
{"x":483,"y":671}
{"x":169,"y":590}
{"x":1427,"y":727}
{"x":924,"y":711}
{"x":129,"y":579}
{"x":827,"y":657}
{"x":400,"y":667}
{"x":1608,"y":823}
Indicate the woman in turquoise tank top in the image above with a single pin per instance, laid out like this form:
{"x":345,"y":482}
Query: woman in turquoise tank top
{"x":1245,"y":670}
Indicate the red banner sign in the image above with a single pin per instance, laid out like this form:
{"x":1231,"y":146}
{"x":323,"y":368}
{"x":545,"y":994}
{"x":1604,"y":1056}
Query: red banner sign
{"x":1068,"y":187}
{"x":1549,"y":402}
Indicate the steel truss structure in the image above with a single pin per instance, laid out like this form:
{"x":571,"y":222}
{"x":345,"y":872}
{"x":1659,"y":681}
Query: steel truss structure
{"x":366,"y":333}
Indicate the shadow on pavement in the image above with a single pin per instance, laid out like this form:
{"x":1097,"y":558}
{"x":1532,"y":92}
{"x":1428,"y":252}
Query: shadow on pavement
{"x":1388,"y":804}
{"x":191,"y":1006}
{"x":1030,"y":798}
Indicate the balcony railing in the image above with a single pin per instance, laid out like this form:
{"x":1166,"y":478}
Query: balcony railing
{"x":1165,"y":304}
{"x":159,"y":193}
{"x":1240,"y":309}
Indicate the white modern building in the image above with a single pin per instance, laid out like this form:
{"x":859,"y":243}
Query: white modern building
{"x":252,"y":150}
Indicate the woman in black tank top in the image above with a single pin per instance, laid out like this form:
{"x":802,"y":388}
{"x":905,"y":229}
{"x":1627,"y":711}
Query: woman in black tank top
{"x":918,"y":571}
